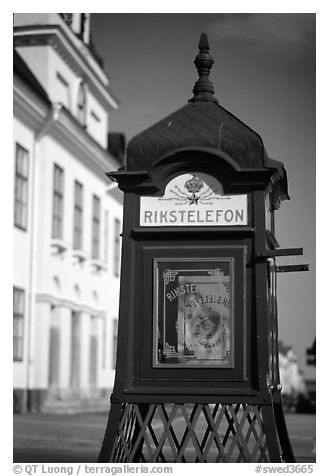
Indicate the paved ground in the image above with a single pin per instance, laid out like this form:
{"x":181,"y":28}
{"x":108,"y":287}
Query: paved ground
{"x":50,"y":438}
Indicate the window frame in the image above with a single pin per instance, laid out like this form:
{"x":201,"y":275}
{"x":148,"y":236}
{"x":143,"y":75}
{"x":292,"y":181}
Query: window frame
{"x":78,"y":216}
{"x":145,"y":373}
{"x":199,"y":292}
{"x":58,"y":203}
{"x":18,"y":330}
{"x":95,"y":227}
{"x":21,"y":200}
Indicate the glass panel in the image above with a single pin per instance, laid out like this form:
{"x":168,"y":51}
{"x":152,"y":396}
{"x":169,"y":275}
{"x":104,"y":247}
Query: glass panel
{"x":18,"y":326}
{"x":58,"y":205}
{"x":18,"y":188}
{"x":18,"y":298}
{"x":96,"y":207}
{"x":25,"y":163}
{"x":24,"y":216}
{"x":18,"y":213}
{"x":18,"y":348}
{"x":58,"y":179}
{"x":95,"y":227}
{"x":18,"y":323}
{"x":77,"y":239}
{"x":24,"y":191}
{"x":193,"y":312}
{"x":21,"y":187}
{"x":77,"y":228}
{"x":19,"y":161}
{"x":78,"y":194}
{"x":58,"y":202}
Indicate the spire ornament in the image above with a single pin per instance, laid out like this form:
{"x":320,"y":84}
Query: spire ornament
{"x":203,"y":89}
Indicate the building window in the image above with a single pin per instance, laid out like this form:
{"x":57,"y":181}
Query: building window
{"x":58,"y":197}
{"x":95,"y":228}
{"x":81,"y":104}
{"x":78,"y":216}
{"x":18,"y":307}
{"x":117,"y":230}
{"x":21,"y":187}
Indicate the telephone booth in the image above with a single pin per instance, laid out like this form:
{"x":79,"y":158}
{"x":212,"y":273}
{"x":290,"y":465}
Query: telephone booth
{"x":197,"y":376}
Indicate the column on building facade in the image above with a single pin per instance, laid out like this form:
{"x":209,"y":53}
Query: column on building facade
{"x":65,"y":316}
{"x":85,"y":353}
{"x":40,"y":355}
{"x":95,"y":353}
{"x":54,"y":351}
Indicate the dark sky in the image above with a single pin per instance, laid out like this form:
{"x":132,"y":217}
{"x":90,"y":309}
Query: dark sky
{"x":264,"y":73}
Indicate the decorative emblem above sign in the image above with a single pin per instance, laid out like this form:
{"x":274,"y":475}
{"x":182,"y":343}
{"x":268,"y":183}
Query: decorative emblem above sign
{"x":194,"y":200}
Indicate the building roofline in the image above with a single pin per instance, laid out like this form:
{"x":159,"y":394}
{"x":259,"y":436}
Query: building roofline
{"x":66,"y":45}
{"x":23,"y":71}
{"x":28,"y":78}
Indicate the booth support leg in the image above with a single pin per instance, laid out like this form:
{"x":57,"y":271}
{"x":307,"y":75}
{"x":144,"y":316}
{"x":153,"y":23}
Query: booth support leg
{"x":271,"y":434}
{"x":110,"y":433}
{"x":287,"y":452}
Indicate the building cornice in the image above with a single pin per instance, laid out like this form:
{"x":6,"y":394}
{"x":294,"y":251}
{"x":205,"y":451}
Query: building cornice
{"x":69,"y":132}
{"x":69,"y":304}
{"x":76,"y":57}
{"x":33,"y":111}
{"x":28,"y":106}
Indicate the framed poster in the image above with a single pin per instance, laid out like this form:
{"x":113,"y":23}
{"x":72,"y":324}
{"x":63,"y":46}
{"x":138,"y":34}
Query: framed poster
{"x":193,"y":312}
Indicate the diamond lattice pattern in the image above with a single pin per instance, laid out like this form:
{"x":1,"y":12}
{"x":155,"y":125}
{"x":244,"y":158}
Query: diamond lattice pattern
{"x":182,"y":433}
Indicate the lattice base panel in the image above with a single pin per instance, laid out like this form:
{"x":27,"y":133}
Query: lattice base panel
{"x":195,"y":433}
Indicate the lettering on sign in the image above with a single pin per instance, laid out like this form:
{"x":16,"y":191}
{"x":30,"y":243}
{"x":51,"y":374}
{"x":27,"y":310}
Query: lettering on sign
{"x":194,"y":200}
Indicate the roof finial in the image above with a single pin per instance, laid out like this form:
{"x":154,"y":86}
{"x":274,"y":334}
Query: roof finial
{"x":203,"y":89}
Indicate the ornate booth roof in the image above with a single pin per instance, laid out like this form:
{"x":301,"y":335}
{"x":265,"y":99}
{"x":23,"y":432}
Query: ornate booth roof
{"x":204,"y":125}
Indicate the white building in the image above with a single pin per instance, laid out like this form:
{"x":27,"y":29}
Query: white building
{"x":67,"y":217}
{"x":291,"y":379}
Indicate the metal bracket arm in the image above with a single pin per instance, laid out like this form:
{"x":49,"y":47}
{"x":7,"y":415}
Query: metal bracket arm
{"x":279,"y":252}
{"x":291,"y":268}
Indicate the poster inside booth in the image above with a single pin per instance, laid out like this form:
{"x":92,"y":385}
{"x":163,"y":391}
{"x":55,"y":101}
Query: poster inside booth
{"x":193,"y":323}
